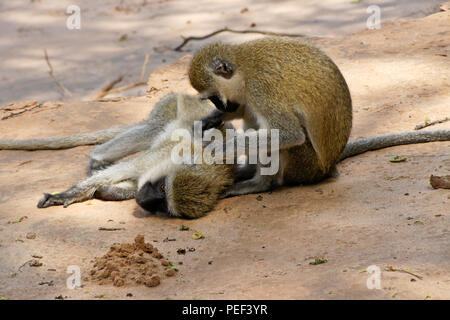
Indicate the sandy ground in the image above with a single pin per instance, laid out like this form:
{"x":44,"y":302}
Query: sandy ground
{"x":375,"y":213}
{"x":86,"y":59}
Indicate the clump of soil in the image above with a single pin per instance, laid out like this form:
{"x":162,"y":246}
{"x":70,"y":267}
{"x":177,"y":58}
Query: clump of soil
{"x":440,"y":182}
{"x":129,"y":263}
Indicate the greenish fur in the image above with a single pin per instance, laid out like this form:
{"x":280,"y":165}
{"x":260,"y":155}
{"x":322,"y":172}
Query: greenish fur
{"x":296,"y":88}
{"x":196,"y":189}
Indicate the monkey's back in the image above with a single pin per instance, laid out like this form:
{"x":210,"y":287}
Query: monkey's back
{"x":299,"y":85}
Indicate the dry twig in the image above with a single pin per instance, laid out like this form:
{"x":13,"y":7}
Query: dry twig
{"x":431,"y":123}
{"x":64,"y":89}
{"x":13,"y":114}
{"x":391,"y":268}
{"x":209,"y":35}
{"x":108,"y":89}
{"x":110,"y":229}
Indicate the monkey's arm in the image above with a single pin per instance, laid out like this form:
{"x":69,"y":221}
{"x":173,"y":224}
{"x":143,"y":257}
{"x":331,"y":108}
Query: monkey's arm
{"x":359,"y":146}
{"x":213,"y":120}
{"x":217,"y":117}
{"x":137,"y":138}
{"x":82,"y":139}
{"x":253,"y":142}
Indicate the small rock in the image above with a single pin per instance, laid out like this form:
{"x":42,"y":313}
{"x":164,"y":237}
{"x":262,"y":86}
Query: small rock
{"x":31,"y":235}
{"x":164,"y":262}
{"x":118,"y":282}
{"x":170,"y":272}
{"x":35,"y":263}
{"x":153,"y":281}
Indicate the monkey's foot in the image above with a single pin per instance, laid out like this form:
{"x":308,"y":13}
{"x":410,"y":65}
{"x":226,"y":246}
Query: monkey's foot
{"x":49,"y":200}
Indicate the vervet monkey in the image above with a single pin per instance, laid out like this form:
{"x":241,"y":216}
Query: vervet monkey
{"x":188,"y":190}
{"x":276,"y":83}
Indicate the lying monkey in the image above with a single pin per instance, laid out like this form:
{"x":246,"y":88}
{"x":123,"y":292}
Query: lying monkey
{"x":157,"y":183}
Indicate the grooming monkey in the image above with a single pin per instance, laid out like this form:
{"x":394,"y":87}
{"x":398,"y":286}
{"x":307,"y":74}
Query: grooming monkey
{"x":275,"y":83}
{"x":152,"y":178}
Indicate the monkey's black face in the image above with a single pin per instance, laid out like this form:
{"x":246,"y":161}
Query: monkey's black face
{"x":152,"y":197}
{"x":229,"y":107}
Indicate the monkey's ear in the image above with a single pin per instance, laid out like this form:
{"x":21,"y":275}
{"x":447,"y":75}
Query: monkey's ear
{"x":222,"y":68}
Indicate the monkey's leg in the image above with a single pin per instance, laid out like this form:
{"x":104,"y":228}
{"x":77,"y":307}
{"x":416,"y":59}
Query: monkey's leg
{"x":137,"y":138}
{"x":86,"y":189}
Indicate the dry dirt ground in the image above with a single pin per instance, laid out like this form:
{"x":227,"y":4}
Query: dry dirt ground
{"x":115,"y":35}
{"x":257,"y":246}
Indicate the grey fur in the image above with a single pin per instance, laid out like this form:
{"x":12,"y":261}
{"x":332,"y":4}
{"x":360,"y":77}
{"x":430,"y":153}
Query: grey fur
{"x":120,"y":181}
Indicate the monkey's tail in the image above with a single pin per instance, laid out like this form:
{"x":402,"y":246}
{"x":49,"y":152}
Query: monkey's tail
{"x":359,"y":146}
{"x":82,"y":139}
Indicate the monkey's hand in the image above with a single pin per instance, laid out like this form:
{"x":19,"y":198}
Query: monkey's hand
{"x":214,"y":120}
{"x":58,"y":199}
{"x":66,"y":198}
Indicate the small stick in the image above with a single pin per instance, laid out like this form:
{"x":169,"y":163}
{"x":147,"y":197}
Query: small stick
{"x":107,"y":88}
{"x":226,"y":29}
{"x":64,"y":89}
{"x":427,"y":124}
{"x":144,"y":68}
{"x":391,"y":268}
{"x":23,"y":265}
{"x":20,"y":112}
{"x":128,"y":86}
{"x":110,"y":229}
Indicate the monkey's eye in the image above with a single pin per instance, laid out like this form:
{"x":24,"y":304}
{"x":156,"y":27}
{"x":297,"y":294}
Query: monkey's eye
{"x":162,"y":188}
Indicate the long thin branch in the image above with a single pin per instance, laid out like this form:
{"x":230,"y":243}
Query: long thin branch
{"x":390,"y":268}
{"x":13,"y":114}
{"x":209,"y":35}
{"x":128,"y":86}
{"x":108,"y":89}
{"x":63,"y":88}
{"x":427,"y":124}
